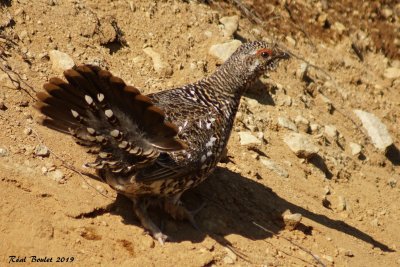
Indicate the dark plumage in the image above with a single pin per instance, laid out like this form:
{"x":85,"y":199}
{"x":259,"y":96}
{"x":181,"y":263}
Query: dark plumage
{"x":159,"y":145}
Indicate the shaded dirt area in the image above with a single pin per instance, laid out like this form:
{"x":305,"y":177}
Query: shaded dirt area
{"x":349,"y":203}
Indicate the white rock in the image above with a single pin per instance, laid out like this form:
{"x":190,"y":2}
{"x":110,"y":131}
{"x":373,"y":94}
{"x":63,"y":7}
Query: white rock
{"x":274,"y":167}
{"x":330,"y":131}
{"x":246,"y":138}
{"x":42,"y":151}
{"x":355,"y":149}
{"x":301,"y":145}
{"x":292,"y":220}
{"x":339,"y":27}
{"x":252,"y":103}
{"x":223,"y":51}
{"x":342,"y":204}
{"x":392,"y":73}
{"x":286,"y":123}
{"x":3,"y":152}
{"x":377,"y":131}
{"x":230,"y":24}
{"x":60,"y":60}
{"x":290,"y":40}
{"x":159,"y":65}
{"x":57,"y":176}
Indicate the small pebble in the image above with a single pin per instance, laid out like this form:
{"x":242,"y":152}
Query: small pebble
{"x":348,"y":253}
{"x":292,"y":220}
{"x":228,"y":260}
{"x":42,"y":151}
{"x":3,"y":152}
{"x":27,"y":131}
{"x":355,"y":149}
{"x":342,"y":205}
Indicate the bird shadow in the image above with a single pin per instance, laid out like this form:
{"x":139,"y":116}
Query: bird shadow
{"x":261,"y":92}
{"x":234,"y":204}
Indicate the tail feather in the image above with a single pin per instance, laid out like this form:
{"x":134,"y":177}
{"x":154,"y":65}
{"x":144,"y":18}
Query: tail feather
{"x":101,"y":111}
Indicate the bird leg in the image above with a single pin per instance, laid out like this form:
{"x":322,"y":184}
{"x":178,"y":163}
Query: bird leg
{"x":140,"y":209}
{"x":174,"y":207}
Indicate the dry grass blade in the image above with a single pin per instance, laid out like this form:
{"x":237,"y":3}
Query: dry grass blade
{"x":293,"y":243}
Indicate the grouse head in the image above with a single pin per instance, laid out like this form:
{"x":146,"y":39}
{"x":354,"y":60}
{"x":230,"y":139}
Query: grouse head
{"x":259,"y":56}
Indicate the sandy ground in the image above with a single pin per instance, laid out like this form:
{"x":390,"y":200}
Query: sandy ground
{"x":349,"y":203}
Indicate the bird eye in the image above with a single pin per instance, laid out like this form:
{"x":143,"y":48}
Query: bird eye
{"x":265,"y":54}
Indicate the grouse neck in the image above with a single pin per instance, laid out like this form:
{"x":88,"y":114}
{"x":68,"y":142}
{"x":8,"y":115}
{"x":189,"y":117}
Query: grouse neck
{"x":231,"y":79}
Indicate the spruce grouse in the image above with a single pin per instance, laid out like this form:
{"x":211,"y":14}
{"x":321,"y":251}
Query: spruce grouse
{"x":154,"y":147}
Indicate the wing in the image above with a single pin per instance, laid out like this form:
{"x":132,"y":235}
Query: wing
{"x":198,"y":128}
{"x":124,"y":127}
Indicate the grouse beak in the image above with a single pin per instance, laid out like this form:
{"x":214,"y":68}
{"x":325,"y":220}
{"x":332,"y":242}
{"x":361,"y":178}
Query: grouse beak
{"x":282,"y":55}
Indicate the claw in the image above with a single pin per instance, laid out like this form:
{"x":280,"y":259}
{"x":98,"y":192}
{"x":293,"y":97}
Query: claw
{"x":160,"y":237}
{"x":141,"y":213}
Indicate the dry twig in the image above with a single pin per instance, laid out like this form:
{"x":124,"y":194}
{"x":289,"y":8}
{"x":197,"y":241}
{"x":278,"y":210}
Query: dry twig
{"x":293,"y":243}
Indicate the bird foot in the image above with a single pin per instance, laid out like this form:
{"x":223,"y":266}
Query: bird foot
{"x":178,"y":211}
{"x":147,"y":223}
{"x":160,"y":237}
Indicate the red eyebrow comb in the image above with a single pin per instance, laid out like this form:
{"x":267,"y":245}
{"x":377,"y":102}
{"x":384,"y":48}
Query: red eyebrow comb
{"x":264,"y":50}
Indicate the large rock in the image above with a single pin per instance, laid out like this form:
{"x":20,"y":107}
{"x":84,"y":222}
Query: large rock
{"x":60,"y":61}
{"x":223,"y":51}
{"x":376,"y":130}
{"x":301,"y":145}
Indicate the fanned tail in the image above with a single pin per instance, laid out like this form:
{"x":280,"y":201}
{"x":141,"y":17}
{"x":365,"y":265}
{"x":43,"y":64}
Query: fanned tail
{"x":119,"y":123}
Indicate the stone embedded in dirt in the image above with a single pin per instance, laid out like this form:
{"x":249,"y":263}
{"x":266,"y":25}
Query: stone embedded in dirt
{"x":42,"y":151}
{"x":228,"y":260}
{"x":274,"y":167}
{"x":252,"y":103}
{"x":223,"y":51}
{"x":355,"y":149}
{"x":392,"y":73}
{"x":3,"y":152}
{"x":377,"y":131}
{"x":331,"y":131}
{"x":328,"y":258}
{"x":342,"y":204}
{"x":301,"y":145}
{"x":349,"y":253}
{"x":27,"y":131}
{"x":246,"y":138}
{"x":286,"y":123}
{"x":290,"y":40}
{"x":392,"y":182}
{"x":291,"y":221}
{"x":302,"y":124}
{"x":314,"y":127}
{"x":60,"y":60}
{"x":57,"y":176}
{"x":230,"y":25}
{"x":339,"y":27}
{"x":159,"y":65}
